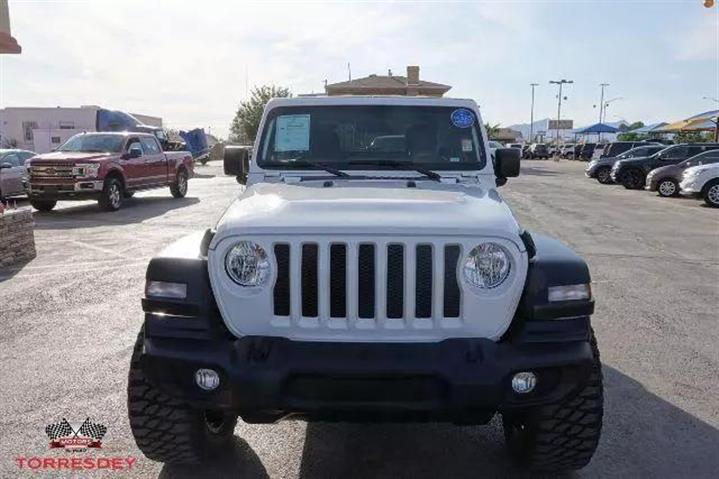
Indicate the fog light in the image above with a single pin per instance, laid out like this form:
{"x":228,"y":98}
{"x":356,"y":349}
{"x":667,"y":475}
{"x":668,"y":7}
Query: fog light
{"x":524,"y":382}
{"x":207,"y":379}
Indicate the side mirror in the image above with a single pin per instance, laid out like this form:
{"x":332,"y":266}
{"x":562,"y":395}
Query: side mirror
{"x":237,"y":162}
{"x":506,"y":164}
{"x":5,"y":165}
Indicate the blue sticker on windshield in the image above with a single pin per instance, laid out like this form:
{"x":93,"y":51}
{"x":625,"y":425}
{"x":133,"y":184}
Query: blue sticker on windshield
{"x":462,"y":118}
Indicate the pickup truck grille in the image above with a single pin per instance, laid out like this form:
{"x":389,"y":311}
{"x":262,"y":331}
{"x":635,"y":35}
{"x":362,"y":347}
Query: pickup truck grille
{"x":367,"y":281}
{"x":51,"y":172}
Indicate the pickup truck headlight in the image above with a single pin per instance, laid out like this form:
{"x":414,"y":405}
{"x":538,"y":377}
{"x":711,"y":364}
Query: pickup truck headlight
{"x":487,"y":266}
{"x":247,"y":264}
{"x":86,"y":170}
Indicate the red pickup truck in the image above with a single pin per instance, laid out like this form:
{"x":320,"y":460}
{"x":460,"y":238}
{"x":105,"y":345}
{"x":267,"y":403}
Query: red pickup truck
{"x":107,"y":167}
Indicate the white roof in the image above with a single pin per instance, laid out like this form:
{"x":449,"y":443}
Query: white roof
{"x":371,"y":100}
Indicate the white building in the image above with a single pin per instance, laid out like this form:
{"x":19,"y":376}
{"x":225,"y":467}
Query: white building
{"x":43,"y":129}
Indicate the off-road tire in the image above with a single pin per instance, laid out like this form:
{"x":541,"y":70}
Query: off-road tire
{"x":711,"y":194}
{"x":43,"y":205}
{"x":112,"y":195}
{"x":633,"y":179}
{"x":667,"y":187}
{"x":179,"y":187}
{"x":603,"y":175}
{"x":563,"y":436}
{"x":167,"y":429}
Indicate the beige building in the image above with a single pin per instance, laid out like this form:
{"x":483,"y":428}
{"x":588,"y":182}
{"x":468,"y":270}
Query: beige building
{"x":409,"y":85}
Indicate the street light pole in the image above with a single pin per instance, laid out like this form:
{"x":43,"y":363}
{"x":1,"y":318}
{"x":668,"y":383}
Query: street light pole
{"x":601,"y":101}
{"x":531,"y":114}
{"x":559,"y":102}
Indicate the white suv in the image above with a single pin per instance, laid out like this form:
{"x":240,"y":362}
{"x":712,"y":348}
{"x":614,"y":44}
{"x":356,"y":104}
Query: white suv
{"x":351,"y":282}
{"x":702,"y":182}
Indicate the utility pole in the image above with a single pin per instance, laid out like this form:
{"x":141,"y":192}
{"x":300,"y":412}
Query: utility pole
{"x":531,"y":114}
{"x":561,"y":83}
{"x":601,"y":102}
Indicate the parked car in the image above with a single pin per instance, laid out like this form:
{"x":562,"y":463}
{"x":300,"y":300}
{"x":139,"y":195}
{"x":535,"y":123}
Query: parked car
{"x":598,"y":150}
{"x":319,"y":300}
{"x":525,"y":151}
{"x":106,"y":167}
{"x":632,"y":173}
{"x":601,"y":168}
{"x":517,"y":146}
{"x":702,"y":182}
{"x":13,"y":173}
{"x":538,"y":150}
{"x":616,"y":148}
{"x":494,"y":146}
{"x":665,"y":179}
{"x":567,"y":150}
{"x":587,"y":151}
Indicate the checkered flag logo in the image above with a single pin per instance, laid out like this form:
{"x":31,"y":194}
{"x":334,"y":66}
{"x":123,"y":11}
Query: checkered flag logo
{"x":59,"y":429}
{"x":93,"y":430}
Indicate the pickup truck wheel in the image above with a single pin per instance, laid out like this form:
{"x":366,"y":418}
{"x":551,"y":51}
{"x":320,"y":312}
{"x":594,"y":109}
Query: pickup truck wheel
{"x":667,"y":187}
{"x":603,"y":175}
{"x":128,"y":194}
{"x":111,"y":196}
{"x":711,"y":194}
{"x":562,"y":436}
{"x":179,"y":187}
{"x":43,"y":205}
{"x":169,"y":430}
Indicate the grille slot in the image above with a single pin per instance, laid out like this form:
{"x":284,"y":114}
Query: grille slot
{"x":338,"y":281}
{"x":309,"y":280}
{"x":349,"y":281}
{"x":423,"y":277}
{"x":282,"y":285}
{"x":451,"y":287}
{"x":365,"y":281}
{"x":395,"y":281}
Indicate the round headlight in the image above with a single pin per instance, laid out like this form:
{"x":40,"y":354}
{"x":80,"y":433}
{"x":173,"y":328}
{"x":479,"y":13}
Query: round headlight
{"x":247,"y":264}
{"x":487,"y":266}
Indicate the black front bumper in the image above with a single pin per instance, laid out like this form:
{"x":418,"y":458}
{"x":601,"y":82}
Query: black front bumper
{"x":462,"y":380}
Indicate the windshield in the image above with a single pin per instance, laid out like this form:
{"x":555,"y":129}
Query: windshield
{"x":353,"y":137}
{"x":94,"y":143}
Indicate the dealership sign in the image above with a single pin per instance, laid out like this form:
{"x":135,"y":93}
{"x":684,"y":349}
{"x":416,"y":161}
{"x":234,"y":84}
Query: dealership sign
{"x":561,"y":124}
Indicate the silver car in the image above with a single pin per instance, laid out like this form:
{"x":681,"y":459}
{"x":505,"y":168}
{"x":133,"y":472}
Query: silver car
{"x":13,"y":172}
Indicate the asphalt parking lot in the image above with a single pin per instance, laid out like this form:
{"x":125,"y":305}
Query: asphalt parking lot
{"x":70,"y":318}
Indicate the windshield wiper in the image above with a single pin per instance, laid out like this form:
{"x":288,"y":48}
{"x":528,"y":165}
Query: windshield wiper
{"x":401,"y":165}
{"x":321,"y":166}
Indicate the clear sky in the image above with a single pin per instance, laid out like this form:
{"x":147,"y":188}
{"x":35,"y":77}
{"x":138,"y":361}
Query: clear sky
{"x":189,"y":61}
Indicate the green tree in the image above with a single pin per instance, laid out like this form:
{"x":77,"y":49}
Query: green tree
{"x":691,"y":137}
{"x":492,"y":130}
{"x":630,"y":136}
{"x":243,"y":128}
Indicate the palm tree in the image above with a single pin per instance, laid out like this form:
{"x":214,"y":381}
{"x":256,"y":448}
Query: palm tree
{"x":492,"y":130}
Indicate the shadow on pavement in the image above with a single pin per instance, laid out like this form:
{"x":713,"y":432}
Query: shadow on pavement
{"x":10,"y":271}
{"x":643,"y":436}
{"x":88,"y":215}
{"x":238,"y":461}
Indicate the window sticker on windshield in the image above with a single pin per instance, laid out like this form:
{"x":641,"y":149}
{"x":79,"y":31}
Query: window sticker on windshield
{"x":292,"y":133}
{"x":454,"y":159}
{"x":462,"y":118}
{"x":466,"y":144}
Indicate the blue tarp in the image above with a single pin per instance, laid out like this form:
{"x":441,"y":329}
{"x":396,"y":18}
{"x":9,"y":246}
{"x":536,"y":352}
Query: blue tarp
{"x":597,"y":128}
{"x":196,"y":141}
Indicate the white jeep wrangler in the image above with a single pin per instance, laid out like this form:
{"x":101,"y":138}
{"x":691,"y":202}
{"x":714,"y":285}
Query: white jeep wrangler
{"x":370,"y":270}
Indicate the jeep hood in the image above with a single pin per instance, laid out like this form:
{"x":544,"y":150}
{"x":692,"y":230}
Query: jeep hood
{"x":69,"y":156}
{"x":351,"y":207}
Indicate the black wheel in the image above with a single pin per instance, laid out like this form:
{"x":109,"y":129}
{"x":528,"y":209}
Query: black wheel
{"x":604,"y":175}
{"x":169,"y":430}
{"x":633,"y":179}
{"x":711,"y":194}
{"x":563,"y":436}
{"x":667,"y":187}
{"x":43,"y":205}
{"x":128,"y":194}
{"x":111,"y":196}
{"x":179,"y":187}
{"x":203,"y":161}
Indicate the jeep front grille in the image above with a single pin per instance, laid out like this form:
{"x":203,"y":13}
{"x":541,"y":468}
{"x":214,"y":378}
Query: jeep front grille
{"x":392,"y":281}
